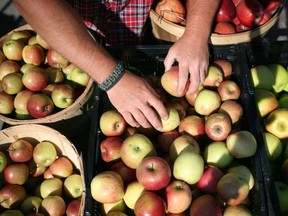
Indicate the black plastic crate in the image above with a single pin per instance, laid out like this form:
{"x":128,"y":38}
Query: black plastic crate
{"x":146,"y":60}
{"x":255,"y":54}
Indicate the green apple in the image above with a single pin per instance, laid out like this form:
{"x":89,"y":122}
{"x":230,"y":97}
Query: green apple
{"x":277,"y":123}
{"x":132,"y":192}
{"x":172,"y":122}
{"x":3,"y":161}
{"x":217,"y":154}
{"x":30,"y":204}
{"x":73,"y":186}
{"x":51,"y":186}
{"x":266,"y":101}
{"x":283,"y":99}
{"x":273,"y":145}
{"x":134,"y":148}
{"x":79,"y":77}
{"x":282,"y":192}
{"x":188,"y":158}
{"x":280,"y":77}
{"x":241,"y":144}
{"x":44,"y":153}
{"x":244,"y":173}
{"x":12,"y":212}
{"x":262,"y":77}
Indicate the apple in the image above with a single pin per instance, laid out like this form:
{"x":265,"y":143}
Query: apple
{"x":266,"y":101}
{"x":51,"y":187}
{"x":68,"y":69}
{"x":32,"y":40}
{"x":233,"y":109}
{"x":244,"y":173}
{"x":55,"y":75}
{"x":53,"y":205}
{"x":33,"y":54}
{"x":22,"y":35}
{"x":107,"y":187}
{"x":40,"y":105}
{"x":12,"y":195}
{"x":207,"y":101}
{"x":16,"y":173}
{"x":218,"y":126}
{"x":153,"y":172}
{"x":262,"y":77}
{"x":237,"y":210}
{"x":284,"y":168}
{"x":112,"y":123}
{"x":226,"y":11}
{"x":35,"y":79}
{"x":73,"y":186}
{"x":48,"y":173}
{"x":44,"y":153}
{"x":110,"y":148}
{"x":216,"y":153}
{"x":40,"y":40}
{"x":232,"y":189}
{"x":20,"y":101}
{"x":209,"y":180}
{"x":176,"y":6}
{"x":136,"y":147}
{"x":20,"y":150}
{"x":280,"y":77}
{"x":3,"y":161}
{"x":30,"y":204}
{"x":26,"y":67}
{"x":178,"y":196}
{"x":225,"y":65}
{"x":36,"y":170}
{"x":127,"y":174}
{"x":12,"y":83}
{"x":273,"y":145}
{"x":192,"y":97}
{"x":113,"y":207}
{"x":178,"y":106}
{"x":55,"y":59}
{"x":62,"y":167}
{"x":229,"y":89}
{"x":116,"y":213}
{"x":150,"y":203}
{"x":169,"y":81}
{"x":271,"y":6}
{"x":63,"y":95}
{"x":2,"y":57}
{"x":193,"y":125}
{"x":73,"y":207}
{"x":206,"y":204}
{"x":12,"y":49}
{"x":250,"y":12}
{"x":6,"y":103}
{"x":48,"y":89}
{"x":276,"y":123}
{"x":225,"y":28}
{"x":172,"y":122}
{"x":282,"y":189}
{"x":241,"y":144}
{"x":133,"y":191}
{"x":181,"y":143}
{"x":165,"y":139}
{"x":192,"y":159}
{"x":8,"y":66}
{"x":214,"y":77}
{"x":79,"y":76}
{"x":12,"y":212}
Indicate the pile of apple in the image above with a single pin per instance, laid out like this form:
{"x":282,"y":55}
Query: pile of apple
{"x":35,"y":80}
{"x":270,"y":82}
{"x":198,"y":164}
{"x":232,"y":16}
{"x":36,"y":179}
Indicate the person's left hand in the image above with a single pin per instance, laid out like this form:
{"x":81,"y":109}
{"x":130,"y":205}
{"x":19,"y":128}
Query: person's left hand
{"x":192,"y":55}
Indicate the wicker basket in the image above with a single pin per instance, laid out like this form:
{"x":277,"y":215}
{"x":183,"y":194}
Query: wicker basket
{"x":37,"y":133}
{"x":167,"y":31}
{"x":73,"y":110}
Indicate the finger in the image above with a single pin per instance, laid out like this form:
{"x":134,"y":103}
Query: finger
{"x":141,"y":118}
{"x":194,"y":82}
{"x":168,"y":62}
{"x":130,"y":119}
{"x":183,"y":78}
{"x":157,"y":110}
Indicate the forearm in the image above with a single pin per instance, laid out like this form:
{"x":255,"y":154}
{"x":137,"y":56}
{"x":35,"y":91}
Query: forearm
{"x":65,"y":32}
{"x":200,"y":16}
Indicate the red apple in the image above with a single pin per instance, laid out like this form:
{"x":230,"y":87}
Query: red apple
{"x":178,"y":196}
{"x":62,"y":167}
{"x":233,"y":109}
{"x":110,"y":148}
{"x":33,"y":54}
{"x":224,"y":28}
{"x":150,"y":203}
{"x":209,"y":180}
{"x":226,"y":11}
{"x":11,"y":195}
{"x":6,"y":103}
{"x":271,"y":6}
{"x":127,"y":174}
{"x":165,"y":139}
{"x":229,"y":89}
{"x":154,"y":173}
{"x":191,"y":97}
{"x":193,"y":125}
{"x":12,"y":49}
{"x":73,"y":207}
{"x":266,"y":17}
{"x":53,"y":205}
{"x":40,"y":105}
{"x":35,"y":79}
{"x":206,"y":204}
{"x":16,"y":173}
{"x":225,"y":65}
{"x":55,"y":59}
{"x":20,"y":150}
{"x":218,"y":126}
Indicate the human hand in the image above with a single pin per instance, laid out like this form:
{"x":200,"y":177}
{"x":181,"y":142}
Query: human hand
{"x":138,"y":102}
{"x":192,"y":56}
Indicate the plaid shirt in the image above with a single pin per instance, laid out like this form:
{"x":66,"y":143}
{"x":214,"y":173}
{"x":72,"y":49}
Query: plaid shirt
{"x":119,"y":21}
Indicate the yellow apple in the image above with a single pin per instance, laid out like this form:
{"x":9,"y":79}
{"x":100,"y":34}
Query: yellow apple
{"x":273,"y":145}
{"x":172,"y":122}
{"x":277,"y":123}
{"x":266,"y":101}
{"x":132,"y":192}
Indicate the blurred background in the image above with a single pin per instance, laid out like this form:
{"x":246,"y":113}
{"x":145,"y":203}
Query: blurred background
{"x":11,"y":19}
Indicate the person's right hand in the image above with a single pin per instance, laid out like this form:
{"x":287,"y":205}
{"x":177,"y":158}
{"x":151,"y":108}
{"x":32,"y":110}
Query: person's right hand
{"x":138,"y":102}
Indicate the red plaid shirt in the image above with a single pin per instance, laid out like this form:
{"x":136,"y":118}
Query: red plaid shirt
{"x":119,"y":21}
